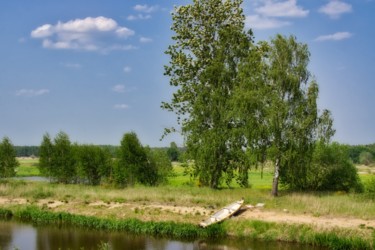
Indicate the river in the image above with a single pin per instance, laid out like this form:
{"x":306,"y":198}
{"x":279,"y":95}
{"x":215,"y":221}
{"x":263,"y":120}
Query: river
{"x":14,"y":235}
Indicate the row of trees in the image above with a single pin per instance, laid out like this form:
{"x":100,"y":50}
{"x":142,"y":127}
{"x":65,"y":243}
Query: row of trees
{"x":65,"y":162}
{"x":239,"y":103}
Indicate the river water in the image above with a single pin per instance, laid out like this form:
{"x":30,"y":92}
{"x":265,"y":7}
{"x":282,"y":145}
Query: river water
{"x":15,"y":235}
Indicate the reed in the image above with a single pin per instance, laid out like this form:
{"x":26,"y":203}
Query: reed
{"x":37,"y":216}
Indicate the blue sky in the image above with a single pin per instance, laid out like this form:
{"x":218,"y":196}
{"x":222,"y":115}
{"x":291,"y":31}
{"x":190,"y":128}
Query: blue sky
{"x":94,"y":69}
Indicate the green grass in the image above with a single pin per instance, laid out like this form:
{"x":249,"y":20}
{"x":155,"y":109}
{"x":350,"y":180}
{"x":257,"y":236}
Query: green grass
{"x":28,"y":167}
{"x":266,"y":231}
{"x":304,"y":234}
{"x":257,"y":180}
{"x":38,"y":216}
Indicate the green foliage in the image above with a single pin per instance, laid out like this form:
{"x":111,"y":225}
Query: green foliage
{"x":62,"y":161}
{"x":132,"y":158}
{"x":133,"y":163}
{"x":8,"y":161}
{"x":57,"y":159}
{"x":332,"y":170}
{"x":45,"y":155}
{"x":173,"y":152}
{"x":209,"y":42}
{"x":366,"y":158}
{"x":159,"y":159}
{"x":293,"y":110}
{"x":93,"y":162}
{"x":370,"y":188}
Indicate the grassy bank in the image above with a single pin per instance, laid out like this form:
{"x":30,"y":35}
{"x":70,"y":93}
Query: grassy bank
{"x":38,"y":216}
{"x":252,"y":229}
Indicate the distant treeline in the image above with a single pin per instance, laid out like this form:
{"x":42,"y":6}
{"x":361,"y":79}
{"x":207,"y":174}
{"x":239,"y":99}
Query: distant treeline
{"x":362,"y":154}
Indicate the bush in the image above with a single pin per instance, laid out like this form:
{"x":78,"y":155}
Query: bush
{"x":365,"y":158}
{"x":332,"y":170}
{"x":370,"y":188}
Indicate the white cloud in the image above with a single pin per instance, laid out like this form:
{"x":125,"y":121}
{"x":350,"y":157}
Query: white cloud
{"x":127,"y":69}
{"x":271,"y":14}
{"x":124,"y":32}
{"x":145,"y":8}
{"x":31,"y":92}
{"x":287,"y":8}
{"x":139,"y":17}
{"x":119,"y":88}
{"x":145,"y":40}
{"x":121,"y":106}
{"x":335,"y":8}
{"x":334,"y":37}
{"x":82,"y":34}
{"x":261,"y":22}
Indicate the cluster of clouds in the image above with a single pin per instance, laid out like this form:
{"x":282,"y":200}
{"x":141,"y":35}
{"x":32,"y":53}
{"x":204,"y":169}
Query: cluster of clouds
{"x":270,"y":14}
{"x":100,"y":33}
{"x":144,"y":12}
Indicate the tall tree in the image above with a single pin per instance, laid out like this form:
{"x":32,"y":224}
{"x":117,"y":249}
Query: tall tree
{"x":8,"y":161}
{"x":62,"y":161}
{"x":94,"y":163}
{"x":132,"y":165}
{"x":45,"y":155}
{"x":291,"y":110}
{"x":209,"y":42}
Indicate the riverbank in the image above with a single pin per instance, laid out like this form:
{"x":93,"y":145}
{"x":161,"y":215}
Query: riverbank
{"x":339,"y":221}
{"x":254,"y":229}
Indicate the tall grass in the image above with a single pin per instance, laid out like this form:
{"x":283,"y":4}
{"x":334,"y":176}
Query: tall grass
{"x":339,"y":239}
{"x":38,"y":216}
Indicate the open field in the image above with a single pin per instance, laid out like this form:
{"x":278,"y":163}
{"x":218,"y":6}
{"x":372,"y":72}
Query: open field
{"x":28,"y":167}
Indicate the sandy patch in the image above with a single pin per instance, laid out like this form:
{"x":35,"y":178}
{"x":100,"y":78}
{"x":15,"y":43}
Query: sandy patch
{"x":50,"y":203}
{"x":17,"y":201}
{"x":320,"y":222}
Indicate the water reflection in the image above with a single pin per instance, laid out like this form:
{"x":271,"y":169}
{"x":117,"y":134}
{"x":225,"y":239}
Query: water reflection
{"x":20,"y":236}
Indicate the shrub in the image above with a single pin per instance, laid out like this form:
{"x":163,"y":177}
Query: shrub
{"x":370,"y":188}
{"x":332,"y":170}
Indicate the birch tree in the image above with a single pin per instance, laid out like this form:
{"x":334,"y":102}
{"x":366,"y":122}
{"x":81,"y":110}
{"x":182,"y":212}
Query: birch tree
{"x":209,"y":43}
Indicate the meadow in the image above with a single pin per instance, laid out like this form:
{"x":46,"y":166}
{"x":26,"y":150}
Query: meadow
{"x":181,"y":189}
{"x":183,"y":201}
